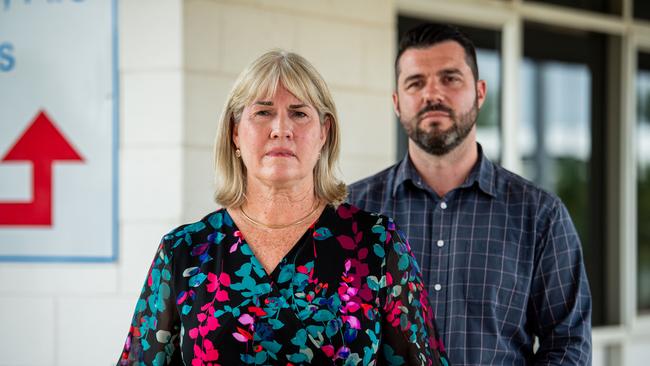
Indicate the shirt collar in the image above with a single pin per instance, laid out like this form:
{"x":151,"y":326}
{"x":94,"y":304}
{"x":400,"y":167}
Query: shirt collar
{"x":482,"y":174}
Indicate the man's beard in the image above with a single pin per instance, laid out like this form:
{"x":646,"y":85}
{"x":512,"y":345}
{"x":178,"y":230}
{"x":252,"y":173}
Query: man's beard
{"x":437,"y":142}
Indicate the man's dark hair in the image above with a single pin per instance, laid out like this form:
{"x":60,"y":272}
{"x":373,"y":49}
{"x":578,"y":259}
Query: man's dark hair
{"x":427,"y":35}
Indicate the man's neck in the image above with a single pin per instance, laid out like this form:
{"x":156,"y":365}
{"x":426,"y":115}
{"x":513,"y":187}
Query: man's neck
{"x":446,"y":172}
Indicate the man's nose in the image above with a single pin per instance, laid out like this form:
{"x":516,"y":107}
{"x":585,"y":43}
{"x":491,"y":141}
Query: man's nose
{"x":433,"y":93}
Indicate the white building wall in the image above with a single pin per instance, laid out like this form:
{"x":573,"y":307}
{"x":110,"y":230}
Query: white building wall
{"x":350,"y":42}
{"x":178,"y":60}
{"x":78,"y":314}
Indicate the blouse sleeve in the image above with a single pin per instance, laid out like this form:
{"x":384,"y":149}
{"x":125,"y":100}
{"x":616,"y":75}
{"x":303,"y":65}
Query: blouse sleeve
{"x":153,"y":335}
{"x":409,"y":331}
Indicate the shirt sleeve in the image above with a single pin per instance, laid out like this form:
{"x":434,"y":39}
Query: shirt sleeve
{"x":409,"y":333}
{"x":560,"y":306}
{"x":153,"y":335}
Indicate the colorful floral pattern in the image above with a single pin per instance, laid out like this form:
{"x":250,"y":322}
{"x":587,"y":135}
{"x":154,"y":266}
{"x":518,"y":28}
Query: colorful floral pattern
{"x":348,"y":293}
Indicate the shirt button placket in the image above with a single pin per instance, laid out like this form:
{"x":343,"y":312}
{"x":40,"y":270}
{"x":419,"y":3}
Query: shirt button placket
{"x":440,"y":236}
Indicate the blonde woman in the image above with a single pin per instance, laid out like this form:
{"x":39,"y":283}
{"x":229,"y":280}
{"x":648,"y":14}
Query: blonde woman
{"x":284,"y":273}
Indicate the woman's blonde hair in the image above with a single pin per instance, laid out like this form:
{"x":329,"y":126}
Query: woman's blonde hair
{"x":260,"y":80}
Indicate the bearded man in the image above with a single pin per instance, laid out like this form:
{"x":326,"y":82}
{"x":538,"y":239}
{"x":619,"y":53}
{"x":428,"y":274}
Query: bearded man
{"x":500,"y":256}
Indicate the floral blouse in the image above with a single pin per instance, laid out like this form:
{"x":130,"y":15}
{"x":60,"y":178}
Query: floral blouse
{"x":348,"y":293}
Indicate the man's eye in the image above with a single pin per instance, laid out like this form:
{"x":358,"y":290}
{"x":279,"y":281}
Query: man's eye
{"x":415,"y":84}
{"x":452,"y":79}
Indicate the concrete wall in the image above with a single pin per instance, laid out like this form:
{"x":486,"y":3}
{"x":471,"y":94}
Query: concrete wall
{"x":177,"y":62}
{"x":350,"y":42}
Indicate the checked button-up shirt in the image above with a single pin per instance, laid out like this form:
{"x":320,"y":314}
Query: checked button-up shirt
{"x":501,"y":259}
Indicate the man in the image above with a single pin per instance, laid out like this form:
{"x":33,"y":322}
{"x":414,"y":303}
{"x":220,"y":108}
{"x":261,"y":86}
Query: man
{"x":501,"y":257}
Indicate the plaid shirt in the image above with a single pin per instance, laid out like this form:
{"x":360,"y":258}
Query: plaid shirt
{"x":501,"y":259}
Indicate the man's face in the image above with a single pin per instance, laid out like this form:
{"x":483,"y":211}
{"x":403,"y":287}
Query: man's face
{"x":437,"y":99}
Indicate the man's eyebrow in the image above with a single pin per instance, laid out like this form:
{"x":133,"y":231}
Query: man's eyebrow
{"x":412,"y":77}
{"x":450,"y":71}
{"x":264,"y":102}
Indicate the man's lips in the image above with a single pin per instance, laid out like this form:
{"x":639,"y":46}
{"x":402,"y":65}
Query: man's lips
{"x":434,"y":114}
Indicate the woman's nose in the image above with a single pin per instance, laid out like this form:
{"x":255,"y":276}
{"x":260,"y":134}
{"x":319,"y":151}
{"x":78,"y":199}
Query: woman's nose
{"x":281,"y":127}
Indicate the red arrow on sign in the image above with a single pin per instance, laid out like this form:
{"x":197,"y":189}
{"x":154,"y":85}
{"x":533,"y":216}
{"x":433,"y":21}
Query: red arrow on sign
{"x":41,"y":144}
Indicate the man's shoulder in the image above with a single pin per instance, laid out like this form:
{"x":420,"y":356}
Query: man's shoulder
{"x":512,"y":186}
{"x":375,"y":183}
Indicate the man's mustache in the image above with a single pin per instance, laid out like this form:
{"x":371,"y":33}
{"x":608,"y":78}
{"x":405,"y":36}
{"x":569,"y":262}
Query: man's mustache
{"x":438,"y":107}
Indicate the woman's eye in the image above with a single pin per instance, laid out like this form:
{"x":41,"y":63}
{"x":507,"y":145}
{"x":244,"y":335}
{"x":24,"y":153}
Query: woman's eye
{"x":299,"y":114}
{"x":263,"y":113}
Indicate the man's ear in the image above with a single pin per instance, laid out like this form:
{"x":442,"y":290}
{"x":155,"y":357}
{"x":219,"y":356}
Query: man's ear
{"x":396,"y":103}
{"x":481,"y":92}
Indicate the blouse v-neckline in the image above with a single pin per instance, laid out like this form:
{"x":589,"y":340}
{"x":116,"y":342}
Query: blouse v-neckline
{"x":290,"y":254}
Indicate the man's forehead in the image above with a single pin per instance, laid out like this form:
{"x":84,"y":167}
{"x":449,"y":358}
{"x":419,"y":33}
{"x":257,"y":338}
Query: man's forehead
{"x":442,"y":55}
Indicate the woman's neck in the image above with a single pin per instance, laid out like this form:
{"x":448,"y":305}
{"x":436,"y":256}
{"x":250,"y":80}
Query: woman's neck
{"x":276,"y":206}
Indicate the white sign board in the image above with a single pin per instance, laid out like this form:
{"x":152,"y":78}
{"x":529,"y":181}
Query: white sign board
{"x":58,"y":130}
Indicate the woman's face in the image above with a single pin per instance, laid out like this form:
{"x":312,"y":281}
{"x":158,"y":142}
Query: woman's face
{"x":280,"y":138}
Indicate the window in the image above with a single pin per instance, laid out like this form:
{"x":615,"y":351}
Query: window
{"x":488,"y":125}
{"x":601,"y":6}
{"x":643,"y":182}
{"x":642,"y":9}
{"x":561,"y":135}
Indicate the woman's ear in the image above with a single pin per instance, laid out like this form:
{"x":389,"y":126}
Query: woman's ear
{"x":235,"y":133}
{"x":325,"y":129}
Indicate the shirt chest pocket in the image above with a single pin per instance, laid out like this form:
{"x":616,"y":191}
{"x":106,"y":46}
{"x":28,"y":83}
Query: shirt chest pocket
{"x":496,"y":273}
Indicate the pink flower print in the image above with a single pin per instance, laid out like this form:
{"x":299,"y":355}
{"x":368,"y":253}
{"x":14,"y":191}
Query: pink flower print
{"x":345,"y":212}
{"x":212,"y":323}
{"x":222,"y":296}
{"x":329,"y":350}
{"x":346,"y":242}
{"x":234,"y":247}
{"x":362,"y":254}
{"x":246,"y":319}
{"x":351,"y":307}
{"x":210,"y":354}
{"x":242,"y":335}
{"x":213,"y":282}
{"x":352,"y":320}
{"x":224,"y":279}
{"x":302,"y":269}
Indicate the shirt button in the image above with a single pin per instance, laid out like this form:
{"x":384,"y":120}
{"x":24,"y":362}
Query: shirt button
{"x":443,"y":205}
{"x":437,"y":287}
{"x":440,"y":243}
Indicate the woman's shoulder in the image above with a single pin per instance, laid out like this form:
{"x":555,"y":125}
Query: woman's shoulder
{"x":364,"y":219}
{"x":209,"y":228}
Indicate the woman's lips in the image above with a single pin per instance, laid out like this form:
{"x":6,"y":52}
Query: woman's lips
{"x":280,"y":153}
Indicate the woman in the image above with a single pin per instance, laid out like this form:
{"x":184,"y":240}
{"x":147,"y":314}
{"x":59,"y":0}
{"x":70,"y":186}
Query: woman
{"x":284,"y":274}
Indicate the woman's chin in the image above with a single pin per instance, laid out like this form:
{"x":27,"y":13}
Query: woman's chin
{"x":281,"y":177}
